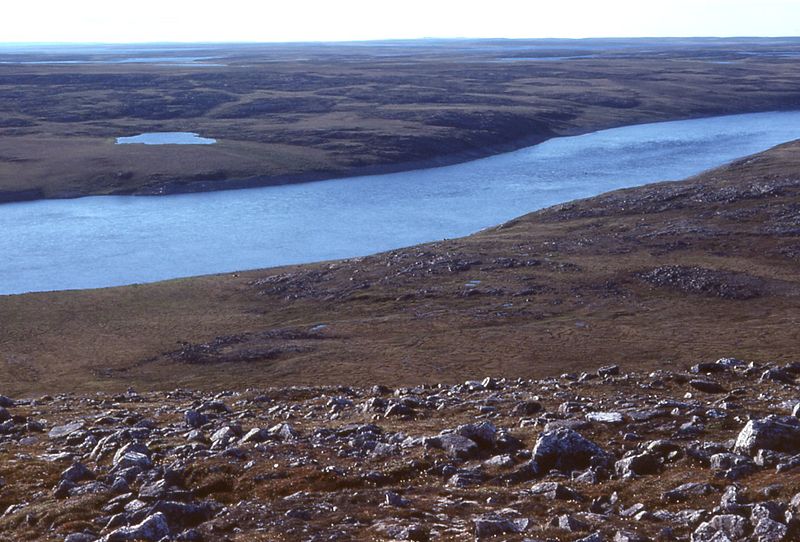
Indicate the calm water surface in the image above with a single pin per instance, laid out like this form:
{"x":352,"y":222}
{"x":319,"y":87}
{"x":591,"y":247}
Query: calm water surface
{"x":166,"y":138}
{"x":104,"y":241}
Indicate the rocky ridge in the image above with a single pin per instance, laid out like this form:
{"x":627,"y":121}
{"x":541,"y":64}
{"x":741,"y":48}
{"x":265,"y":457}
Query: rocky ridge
{"x":707,"y":454}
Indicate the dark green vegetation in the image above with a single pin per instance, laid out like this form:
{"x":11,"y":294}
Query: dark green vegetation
{"x":286,"y":113}
{"x":649,"y":277}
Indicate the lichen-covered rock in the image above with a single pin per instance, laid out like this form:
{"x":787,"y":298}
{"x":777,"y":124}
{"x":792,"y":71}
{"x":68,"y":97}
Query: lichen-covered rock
{"x":566,"y":450}
{"x":456,"y":446}
{"x":638,"y":464}
{"x":777,"y":433}
{"x":152,"y":529}
{"x":493,"y":525}
{"x":720,"y":528}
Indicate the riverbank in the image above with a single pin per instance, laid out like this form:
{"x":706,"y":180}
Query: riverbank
{"x":682,"y":271}
{"x":296,"y":113}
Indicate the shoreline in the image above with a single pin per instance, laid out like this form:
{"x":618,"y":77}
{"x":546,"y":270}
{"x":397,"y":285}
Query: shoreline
{"x":177,"y":187}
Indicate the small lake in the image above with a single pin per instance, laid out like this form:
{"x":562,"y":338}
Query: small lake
{"x":112,"y":240}
{"x":166,"y":138}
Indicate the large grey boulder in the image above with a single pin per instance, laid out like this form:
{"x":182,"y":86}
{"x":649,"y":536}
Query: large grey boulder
{"x":493,"y":525}
{"x":62,"y":431}
{"x":483,"y":434}
{"x":456,"y":446}
{"x":638,"y":464}
{"x":153,"y":528}
{"x":567,"y":450}
{"x":777,"y":433}
{"x":768,"y":530}
{"x":720,"y":528}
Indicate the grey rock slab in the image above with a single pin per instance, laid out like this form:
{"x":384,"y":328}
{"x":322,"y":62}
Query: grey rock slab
{"x":721,"y":527}
{"x":687,"y":491}
{"x":776,"y":433}
{"x":605,"y":417}
{"x":492,"y":525}
{"x":61,"y":431}
{"x":555,"y":491}
{"x":456,"y":446}
{"x":152,"y":529}
{"x":768,"y":530}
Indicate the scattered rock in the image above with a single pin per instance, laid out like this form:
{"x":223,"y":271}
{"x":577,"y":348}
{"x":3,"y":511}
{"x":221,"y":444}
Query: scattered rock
{"x":566,"y":450}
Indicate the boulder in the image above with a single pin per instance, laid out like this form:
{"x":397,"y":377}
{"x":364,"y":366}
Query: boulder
{"x":776,"y":433}
{"x":483,"y":434}
{"x":567,"y":450}
{"x":456,"y":446}
{"x":769,"y":530}
{"x":687,"y":491}
{"x":555,"y":491}
{"x":639,"y":464}
{"x":152,"y":529}
{"x":720,"y":528}
{"x":492,"y":525}
{"x":61,"y":431}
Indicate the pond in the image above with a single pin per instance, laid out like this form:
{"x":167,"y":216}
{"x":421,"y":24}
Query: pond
{"x":166,"y":138}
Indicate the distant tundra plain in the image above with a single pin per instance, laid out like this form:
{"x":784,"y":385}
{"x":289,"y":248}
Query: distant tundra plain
{"x":294,"y":112}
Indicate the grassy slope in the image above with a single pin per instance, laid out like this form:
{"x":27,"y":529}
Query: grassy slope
{"x":285,"y":112}
{"x":560,"y":290}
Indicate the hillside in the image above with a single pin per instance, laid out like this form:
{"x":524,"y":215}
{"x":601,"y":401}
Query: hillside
{"x":647,"y":278}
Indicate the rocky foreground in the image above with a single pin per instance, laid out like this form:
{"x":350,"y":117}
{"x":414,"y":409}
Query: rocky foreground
{"x":708,"y":454}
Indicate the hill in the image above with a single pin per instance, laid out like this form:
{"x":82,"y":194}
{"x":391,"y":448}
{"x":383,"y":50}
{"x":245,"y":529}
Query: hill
{"x":646,"y":278}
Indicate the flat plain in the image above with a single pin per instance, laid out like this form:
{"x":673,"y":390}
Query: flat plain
{"x":289,"y":113}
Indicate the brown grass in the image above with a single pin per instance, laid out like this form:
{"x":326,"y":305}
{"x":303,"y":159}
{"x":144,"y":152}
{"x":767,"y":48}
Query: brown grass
{"x":297,"y":112}
{"x":407,"y":316}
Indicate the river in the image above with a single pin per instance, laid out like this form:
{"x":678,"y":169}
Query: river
{"x":113,"y":240}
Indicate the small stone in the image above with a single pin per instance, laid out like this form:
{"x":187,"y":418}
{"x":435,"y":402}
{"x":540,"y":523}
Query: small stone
{"x":608,"y":370}
{"x":483,"y":434}
{"x":555,"y":491}
{"x":570,"y":523}
{"x":77,"y":473}
{"x":628,"y":536}
{"x":195,"y":418}
{"x":526,"y":408}
{"x":605,"y":417}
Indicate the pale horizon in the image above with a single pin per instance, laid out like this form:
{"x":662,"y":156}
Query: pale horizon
{"x":47,"y":22}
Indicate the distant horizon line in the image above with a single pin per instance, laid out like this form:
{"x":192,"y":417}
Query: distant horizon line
{"x":385,"y":40}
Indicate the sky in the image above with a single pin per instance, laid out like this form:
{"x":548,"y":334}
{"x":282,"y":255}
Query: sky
{"x":114,"y":21}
